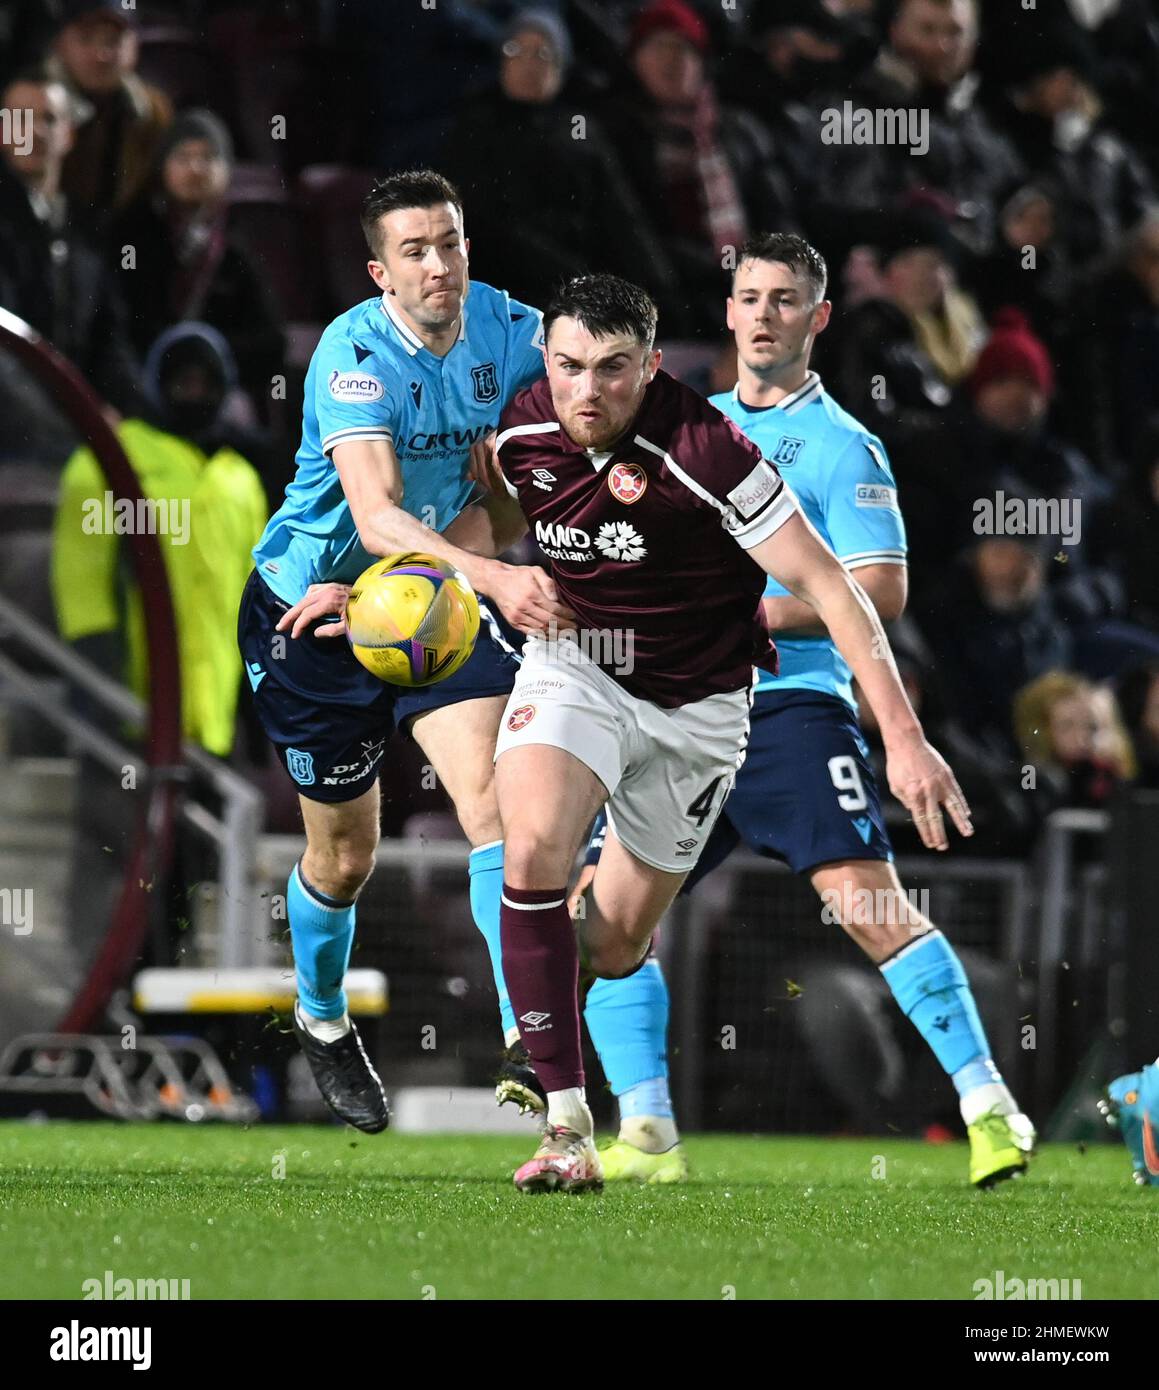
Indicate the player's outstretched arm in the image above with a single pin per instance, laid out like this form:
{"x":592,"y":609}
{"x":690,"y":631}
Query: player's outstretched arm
{"x":372,"y":481}
{"x":918,"y":775}
{"x":489,"y":526}
{"x":886,"y":585}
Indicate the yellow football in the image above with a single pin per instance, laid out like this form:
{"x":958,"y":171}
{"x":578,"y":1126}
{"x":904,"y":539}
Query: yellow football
{"x":411,"y":619}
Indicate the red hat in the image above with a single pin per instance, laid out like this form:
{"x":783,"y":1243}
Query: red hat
{"x":669,"y":14}
{"x":1013,"y":350}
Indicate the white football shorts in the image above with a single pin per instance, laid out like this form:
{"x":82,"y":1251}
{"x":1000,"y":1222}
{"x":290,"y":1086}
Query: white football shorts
{"x":667,"y":771}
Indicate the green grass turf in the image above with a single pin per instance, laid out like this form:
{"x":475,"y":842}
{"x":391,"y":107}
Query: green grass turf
{"x":397,"y":1216}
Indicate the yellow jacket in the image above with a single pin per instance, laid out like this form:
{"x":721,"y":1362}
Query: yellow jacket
{"x":208,"y":513}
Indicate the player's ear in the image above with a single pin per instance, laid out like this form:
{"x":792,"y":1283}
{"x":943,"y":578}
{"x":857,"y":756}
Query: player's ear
{"x":379,"y":274}
{"x":653,"y":363}
{"x":820,"y":316}
{"x":729,"y":318}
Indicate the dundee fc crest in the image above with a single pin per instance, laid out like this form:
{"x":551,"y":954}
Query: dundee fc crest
{"x":486,"y":383}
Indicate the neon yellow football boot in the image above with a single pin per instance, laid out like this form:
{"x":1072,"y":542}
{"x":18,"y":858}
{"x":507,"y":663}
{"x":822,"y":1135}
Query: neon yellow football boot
{"x":624,"y":1162}
{"x":1001,"y":1147}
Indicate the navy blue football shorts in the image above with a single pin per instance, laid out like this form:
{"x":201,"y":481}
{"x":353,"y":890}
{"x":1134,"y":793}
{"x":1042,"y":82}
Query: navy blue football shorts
{"x":806,"y":793}
{"x":326,"y":715}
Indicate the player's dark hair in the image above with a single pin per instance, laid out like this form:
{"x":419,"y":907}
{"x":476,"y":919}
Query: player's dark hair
{"x":787,"y":249}
{"x":414,"y":188}
{"x":604,"y":305}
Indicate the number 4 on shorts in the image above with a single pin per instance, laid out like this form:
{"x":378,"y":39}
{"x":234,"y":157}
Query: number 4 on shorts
{"x":701,"y":808}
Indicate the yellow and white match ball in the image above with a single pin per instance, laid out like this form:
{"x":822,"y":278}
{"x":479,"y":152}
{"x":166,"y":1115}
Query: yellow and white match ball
{"x":412,"y":619}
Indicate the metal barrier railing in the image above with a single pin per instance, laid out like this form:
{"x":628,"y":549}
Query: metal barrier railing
{"x":1060,"y":902}
{"x":234,"y":833}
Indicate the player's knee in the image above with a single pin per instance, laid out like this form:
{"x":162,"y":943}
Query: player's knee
{"x":478,"y":814}
{"x":878,"y":939}
{"x":535,"y":859}
{"x":614,"y":960}
{"x":340,"y":869}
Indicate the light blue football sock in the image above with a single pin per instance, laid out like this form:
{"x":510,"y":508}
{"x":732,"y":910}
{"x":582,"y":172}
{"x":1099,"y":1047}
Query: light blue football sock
{"x":628,"y":1023}
{"x":932,"y":991}
{"x":322,"y":933}
{"x":486,"y":870}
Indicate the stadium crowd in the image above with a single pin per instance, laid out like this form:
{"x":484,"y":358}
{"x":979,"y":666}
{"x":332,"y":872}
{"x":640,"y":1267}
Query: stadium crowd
{"x":995,"y":277}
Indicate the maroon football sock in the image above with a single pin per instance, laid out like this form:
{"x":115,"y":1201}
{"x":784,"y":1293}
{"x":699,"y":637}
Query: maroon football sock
{"x":541,"y":967}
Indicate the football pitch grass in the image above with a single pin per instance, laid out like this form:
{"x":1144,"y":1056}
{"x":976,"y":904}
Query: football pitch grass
{"x":414,"y":1217}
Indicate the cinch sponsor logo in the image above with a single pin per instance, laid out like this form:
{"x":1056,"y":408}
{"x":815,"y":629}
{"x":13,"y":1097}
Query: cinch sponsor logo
{"x":355,"y":386}
{"x":76,"y":1343}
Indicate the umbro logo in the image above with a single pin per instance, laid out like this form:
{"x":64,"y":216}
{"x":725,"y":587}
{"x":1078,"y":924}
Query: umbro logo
{"x":543,"y":478}
{"x":536,"y":1022}
{"x":684,"y":848}
{"x":361,"y":353}
{"x":416,"y":392}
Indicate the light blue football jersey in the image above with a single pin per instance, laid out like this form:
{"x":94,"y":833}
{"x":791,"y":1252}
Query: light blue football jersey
{"x":841,"y":477}
{"x":372,"y":378}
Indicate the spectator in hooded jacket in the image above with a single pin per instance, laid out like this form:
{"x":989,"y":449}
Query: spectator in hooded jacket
{"x":211,"y":509}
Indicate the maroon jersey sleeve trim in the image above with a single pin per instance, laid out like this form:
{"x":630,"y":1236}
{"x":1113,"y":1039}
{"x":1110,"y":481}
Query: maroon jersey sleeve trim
{"x":540,"y":427}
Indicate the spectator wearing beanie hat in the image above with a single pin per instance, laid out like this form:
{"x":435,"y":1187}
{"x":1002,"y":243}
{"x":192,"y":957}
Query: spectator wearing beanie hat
{"x":706,"y":173}
{"x":1005,"y":446}
{"x":186,"y":265}
{"x":1013,"y":381}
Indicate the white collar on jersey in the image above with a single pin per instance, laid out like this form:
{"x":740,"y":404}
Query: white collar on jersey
{"x":410,"y":339}
{"x":795,"y":400}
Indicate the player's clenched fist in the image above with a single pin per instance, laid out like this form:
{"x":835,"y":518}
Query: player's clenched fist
{"x":921,"y":780}
{"x":527,"y":597}
{"x":320,"y":601}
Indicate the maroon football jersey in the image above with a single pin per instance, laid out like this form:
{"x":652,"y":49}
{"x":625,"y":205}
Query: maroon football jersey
{"x":649,"y":539}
